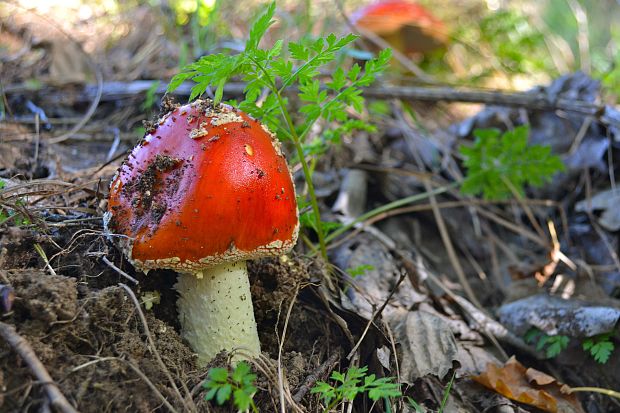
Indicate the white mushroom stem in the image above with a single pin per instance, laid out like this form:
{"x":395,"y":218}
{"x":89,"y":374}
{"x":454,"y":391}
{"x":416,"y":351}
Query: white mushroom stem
{"x":216,"y":313}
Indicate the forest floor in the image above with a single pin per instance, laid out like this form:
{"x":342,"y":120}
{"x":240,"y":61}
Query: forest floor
{"x":431,"y":293}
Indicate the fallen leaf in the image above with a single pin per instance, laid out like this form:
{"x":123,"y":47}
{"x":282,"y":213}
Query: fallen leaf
{"x":427,"y":344}
{"x":529,"y":386}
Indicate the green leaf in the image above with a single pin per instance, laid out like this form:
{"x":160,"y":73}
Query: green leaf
{"x":298,"y":51}
{"x":240,"y":371}
{"x":339,"y":80}
{"x":217,"y":375}
{"x":223,"y":394}
{"x":600,"y":347}
{"x":532,"y":335}
{"x":338,"y":376}
{"x":346,"y":40}
{"x":386,"y":390}
{"x":275,"y":50}
{"x":326,"y":391}
{"x":602,"y":351}
{"x":219,"y":92}
{"x":556,"y":345}
{"x":497,"y":163}
{"x":360,"y":270}
{"x":415,"y":405}
{"x":211,"y":393}
{"x":178,"y":79}
{"x":260,"y":26}
{"x":243,"y":399}
{"x":354,"y":72}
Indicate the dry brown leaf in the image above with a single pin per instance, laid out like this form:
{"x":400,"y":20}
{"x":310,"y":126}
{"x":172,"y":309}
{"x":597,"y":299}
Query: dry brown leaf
{"x":529,"y":386}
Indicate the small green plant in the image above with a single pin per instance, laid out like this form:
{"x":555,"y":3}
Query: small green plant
{"x":223,"y":385}
{"x":269,"y":72}
{"x":359,"y":270}
{"x":355,"y":381}
{"x":599,"y":347}
{"x":18,"y":219}
{"x":553,"y":345}
{"x":499,"y":164}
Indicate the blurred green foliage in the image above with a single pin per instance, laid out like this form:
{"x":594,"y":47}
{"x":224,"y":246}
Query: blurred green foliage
{"x":499,"y":164}
{"x":515,"y":42}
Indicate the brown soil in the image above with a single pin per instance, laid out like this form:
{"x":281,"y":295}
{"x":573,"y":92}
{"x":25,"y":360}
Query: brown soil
{"x":86,"y":330}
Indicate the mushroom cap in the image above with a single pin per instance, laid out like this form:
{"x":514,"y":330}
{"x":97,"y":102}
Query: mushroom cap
{"x":408,"y":26}
{"x":207,"y":185}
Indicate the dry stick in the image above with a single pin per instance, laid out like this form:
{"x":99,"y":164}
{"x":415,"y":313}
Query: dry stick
{"x":396,"y":364}
{"x":530,"y":100}
{"x":280,"y":347}
{"x":147,"y":332}
{"x":136,"y":370}
{"x":118,"y":270}
{"x":376,"y":314}
{"x":440,"y":222}
{"x":21,"y":346}
{"x":491,"y":327}
{"x":315,"y":376}
{"x":512,"y":227}
{"x":528,"y":211}
{"x":452,"y":204}
{"x":447,"y":241}
{"x":263,"y":364}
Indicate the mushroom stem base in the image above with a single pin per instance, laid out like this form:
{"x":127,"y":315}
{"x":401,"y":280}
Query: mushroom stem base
{"x":216,"y":312}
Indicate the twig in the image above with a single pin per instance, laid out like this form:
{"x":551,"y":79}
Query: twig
{"x":376,"y":314}
{"x":118,"y":270}
{"x":136,"y":370}
{"x":315,"y":376}
{"x":280,"y":347}
{"x":21,"y":346}
{"x":439,"y":220}
{"x":161,"y":363}
{"x":530,"y":100}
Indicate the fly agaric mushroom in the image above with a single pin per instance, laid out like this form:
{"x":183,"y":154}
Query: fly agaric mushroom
{"x":406,"y":26}
{"x":207,"y":189}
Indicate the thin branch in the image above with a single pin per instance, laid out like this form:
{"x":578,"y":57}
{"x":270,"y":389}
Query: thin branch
{"x":136,"y":370}
{"x":21,"y":346}
{"x":376,"y":314}
{"x":280,"y":349}
{"x":315,"y":376}
{"x":186,"y":403}
{"x":530,"y":100}
{"x":118,"y":270}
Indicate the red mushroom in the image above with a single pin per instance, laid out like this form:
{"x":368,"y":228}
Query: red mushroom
{"x":207,"y":189}
{"x":406,"y":26}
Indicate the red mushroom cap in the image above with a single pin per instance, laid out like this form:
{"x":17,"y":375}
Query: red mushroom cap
{"x":207,"y":185}
{"x":408,"y":26}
